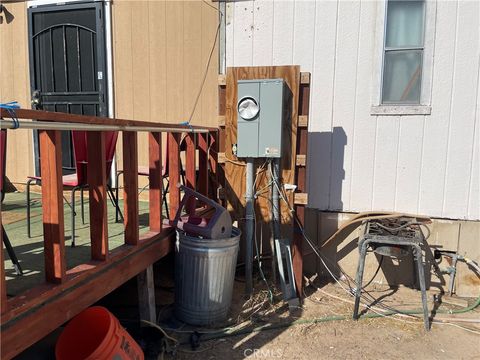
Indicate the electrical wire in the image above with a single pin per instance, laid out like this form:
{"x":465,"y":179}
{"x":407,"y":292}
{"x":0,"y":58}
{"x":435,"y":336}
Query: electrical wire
{"x":262,"y":275}
{"x":217,"y":32}
{"x":351,"y":290}
{"x":375,"y":274}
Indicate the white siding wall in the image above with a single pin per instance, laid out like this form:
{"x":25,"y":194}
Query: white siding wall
{"x":420,"y":164}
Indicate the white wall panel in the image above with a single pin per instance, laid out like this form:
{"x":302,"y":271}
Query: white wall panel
{"x":363,"y":146}
{"x":358,"y":161}
{"x":243,"y":30}
{"x":321,"y":103}
{"x":283,"y":30}
{"x":385,"y":164}
{"x":263,"y":33}
{"x":434,"y":158}
{"x":462,"y":118}
{"x":346,"y":59}
{"x":409,"y":164}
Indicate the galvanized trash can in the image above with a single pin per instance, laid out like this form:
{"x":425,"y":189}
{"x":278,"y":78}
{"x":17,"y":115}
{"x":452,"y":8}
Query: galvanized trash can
{"x":204,"y":275}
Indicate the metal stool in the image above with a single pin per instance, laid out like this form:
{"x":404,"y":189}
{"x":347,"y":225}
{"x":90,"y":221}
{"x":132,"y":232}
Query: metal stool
{"x":393,"y":238}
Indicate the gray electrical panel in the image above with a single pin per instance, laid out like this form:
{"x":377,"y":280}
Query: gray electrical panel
{"x":261,"y":109}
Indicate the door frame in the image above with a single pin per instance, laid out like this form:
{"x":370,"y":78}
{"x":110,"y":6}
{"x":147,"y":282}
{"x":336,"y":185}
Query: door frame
{"x":101,"y":53}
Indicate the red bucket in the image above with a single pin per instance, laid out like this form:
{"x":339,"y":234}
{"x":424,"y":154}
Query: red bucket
{"x":96,"y":334}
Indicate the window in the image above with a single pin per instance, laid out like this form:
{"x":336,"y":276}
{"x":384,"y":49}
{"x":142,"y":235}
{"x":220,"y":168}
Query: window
{"x":403,"y":52}
{"x":405,"y":45}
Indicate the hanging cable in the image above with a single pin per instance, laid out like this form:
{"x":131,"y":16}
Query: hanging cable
{"x":217,"y":32}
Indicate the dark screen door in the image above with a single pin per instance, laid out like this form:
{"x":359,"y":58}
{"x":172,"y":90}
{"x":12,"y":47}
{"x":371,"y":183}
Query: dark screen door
{"x":67,"y":65}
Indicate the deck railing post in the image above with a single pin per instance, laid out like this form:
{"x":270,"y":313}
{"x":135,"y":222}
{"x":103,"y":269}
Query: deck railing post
{"x":213,"y":162}
{"x":190,"y":172}
{"x":97,"y":181}
{"x":3,"y":283}
{"x":52,"y":205}
{"x":203,"y":144}
{"x":155,"y":177}
{"x":130,"y":187}
{"x":174,"y":172}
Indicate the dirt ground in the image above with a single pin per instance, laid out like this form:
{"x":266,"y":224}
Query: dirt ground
{"x":381,"y":338}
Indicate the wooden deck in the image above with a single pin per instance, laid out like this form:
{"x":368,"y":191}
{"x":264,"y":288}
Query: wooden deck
{"x":29,"y":316}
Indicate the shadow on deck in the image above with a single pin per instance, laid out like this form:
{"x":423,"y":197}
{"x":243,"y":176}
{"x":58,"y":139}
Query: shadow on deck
{"x":30,"y":250}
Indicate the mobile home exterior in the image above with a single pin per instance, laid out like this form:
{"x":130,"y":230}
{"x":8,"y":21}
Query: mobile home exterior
{"x":369,"y":149}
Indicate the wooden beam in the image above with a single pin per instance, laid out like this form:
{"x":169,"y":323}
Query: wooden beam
{"x":174,"y":172}
{"x":155,"y":180}
{"x":130,"y":187}
{"x":300,"y":199}
{"x":304,"y":78}
{"x":221,"y":120}
{"x":190,"y":172}
{"x":213,"y":164}
{"x":146,"y":295}
{"x":222,"y":80}
{"x":97,"y":189}
{"x":52,"y":205}
{"x":301,"y":160}
{"x":203,"y":144}
{"x":303,"y":121}
{"x":221,"y":158}
{"x":51,"y":116}
{"x":39,"y":312}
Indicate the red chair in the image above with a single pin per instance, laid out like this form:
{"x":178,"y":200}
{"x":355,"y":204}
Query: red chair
{"x":3,"y":163}
{"x":78,"y":180}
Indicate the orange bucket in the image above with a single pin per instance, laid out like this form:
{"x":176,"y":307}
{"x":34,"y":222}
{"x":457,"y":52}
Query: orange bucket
{"x":95,"y":334}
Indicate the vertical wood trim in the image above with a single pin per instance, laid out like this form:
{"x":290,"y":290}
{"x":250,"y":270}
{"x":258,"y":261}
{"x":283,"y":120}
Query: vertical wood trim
{"x":130,"y":187}
{"x":203,"y":162}
{"x":52,"y":205}
{"x":190,"y":171}
{"x":97,"y":188}
{"x":174,"y":172}
{"x":3,"y":283}
{"x":155,"y":180}
{"x":301,"y":182}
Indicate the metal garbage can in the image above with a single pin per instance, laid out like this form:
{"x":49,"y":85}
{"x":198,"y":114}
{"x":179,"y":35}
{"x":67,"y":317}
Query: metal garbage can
{"x":204,"y":276}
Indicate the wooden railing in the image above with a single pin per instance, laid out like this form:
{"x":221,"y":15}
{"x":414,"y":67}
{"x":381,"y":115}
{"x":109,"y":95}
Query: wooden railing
{"x":30,"y":316}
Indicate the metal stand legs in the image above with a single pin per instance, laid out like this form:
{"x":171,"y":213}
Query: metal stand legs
{"x":11,"y":252}
{"x":417,"y":253}
{"x":359,"y":279}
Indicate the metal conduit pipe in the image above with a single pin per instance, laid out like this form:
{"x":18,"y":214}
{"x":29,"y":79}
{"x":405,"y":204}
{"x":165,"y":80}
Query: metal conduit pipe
{"x":275,"y":170}
{"x":45,"y":125}
{"x":249,"y":226}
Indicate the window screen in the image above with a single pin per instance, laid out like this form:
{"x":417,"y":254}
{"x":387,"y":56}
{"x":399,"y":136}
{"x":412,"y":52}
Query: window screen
{"x":403,"y":52}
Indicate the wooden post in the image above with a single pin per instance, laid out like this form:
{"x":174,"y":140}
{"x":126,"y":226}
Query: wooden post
{"x":146,"y":295}
{"x":203,"y":162}
{"x":3,"y":283}
{"x":52,"y":205}
{"x":130,"y":187}
{"x":301,"y":182}
{"x":155,"y":177}
{"x":97,"y":188}
{"x":213,"y":161}
{"x":220,"y":138}
{"x":190,"y":172}
{"x":174,"y":172}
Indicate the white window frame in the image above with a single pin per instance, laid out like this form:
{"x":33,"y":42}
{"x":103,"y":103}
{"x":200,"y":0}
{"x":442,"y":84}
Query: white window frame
{"x":424,"y":108}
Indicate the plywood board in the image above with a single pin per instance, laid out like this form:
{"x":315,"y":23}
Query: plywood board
{"x":234,"y":168}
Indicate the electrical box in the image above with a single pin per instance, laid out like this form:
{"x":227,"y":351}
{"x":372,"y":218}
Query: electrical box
{"x":262,"y":109}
